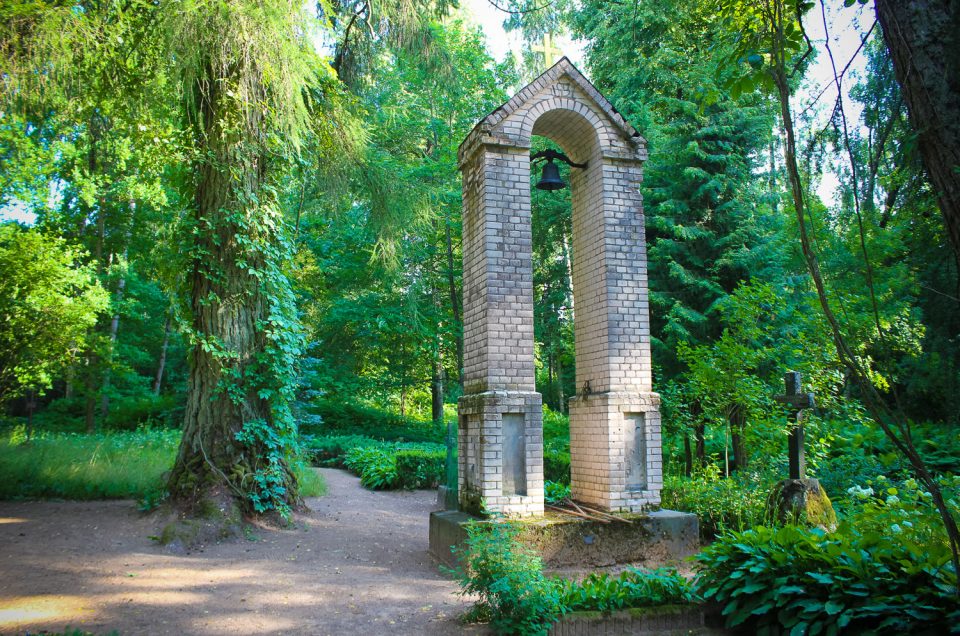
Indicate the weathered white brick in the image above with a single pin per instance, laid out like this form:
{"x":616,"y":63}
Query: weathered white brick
{"x":610,"y":288}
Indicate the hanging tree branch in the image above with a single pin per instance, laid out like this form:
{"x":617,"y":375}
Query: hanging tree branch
{"x":895,"y":428}
{"x":838,"y":82}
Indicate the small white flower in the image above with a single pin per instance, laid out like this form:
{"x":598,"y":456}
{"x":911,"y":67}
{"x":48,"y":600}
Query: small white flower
{"x":896,"y":529}
{"x":892,"y":500}
{"x":859,"y":492}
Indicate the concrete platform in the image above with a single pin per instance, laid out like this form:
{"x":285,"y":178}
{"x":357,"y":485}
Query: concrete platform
{"x":658,"y":537}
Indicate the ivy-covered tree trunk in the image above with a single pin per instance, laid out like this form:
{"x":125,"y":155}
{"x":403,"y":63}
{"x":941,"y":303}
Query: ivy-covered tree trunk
{"x":923,"y":37}
{"x":238,"y":432}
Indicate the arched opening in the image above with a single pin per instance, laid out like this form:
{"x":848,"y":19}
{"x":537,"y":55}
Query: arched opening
{"x":552,"y":219}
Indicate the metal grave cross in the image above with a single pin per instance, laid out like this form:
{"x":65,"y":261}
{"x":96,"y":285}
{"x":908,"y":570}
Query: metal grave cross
{"x":796,"y":402}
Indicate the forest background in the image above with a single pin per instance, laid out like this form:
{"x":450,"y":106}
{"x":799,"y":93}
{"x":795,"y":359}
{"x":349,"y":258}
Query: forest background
{"x":329,"y":213}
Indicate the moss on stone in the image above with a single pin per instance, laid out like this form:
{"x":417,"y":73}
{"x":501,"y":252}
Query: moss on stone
{"x":657,"y":610}
{"x":802,"y":502}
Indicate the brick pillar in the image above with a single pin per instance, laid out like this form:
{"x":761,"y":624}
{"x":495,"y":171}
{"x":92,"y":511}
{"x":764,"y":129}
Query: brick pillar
{"x":615,"y":443}
{"x":501,"y":428}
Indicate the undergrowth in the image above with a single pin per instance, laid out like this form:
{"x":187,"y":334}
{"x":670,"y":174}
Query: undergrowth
{"x":516,"y":597}
{"x":886,"y":570}
{"x":721,"y":504}
{"x":113,"y":465}
{"x":118,"y":465}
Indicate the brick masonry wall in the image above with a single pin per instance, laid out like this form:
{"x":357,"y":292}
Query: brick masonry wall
{"x":610,"y":292}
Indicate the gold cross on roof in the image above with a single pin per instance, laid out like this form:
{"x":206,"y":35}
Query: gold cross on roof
{"x":548,"y":49}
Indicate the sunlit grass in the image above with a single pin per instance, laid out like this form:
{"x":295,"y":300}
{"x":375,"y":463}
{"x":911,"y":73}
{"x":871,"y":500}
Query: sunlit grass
{"x":115,"y":465}
{"x":310,"y":480}
{"x":118,"y":465}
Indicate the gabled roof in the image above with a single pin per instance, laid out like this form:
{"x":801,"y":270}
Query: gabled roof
{"x":552,"y":75}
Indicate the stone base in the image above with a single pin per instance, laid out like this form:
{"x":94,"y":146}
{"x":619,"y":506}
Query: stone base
{"x":663,"y":619}
{"x":500,"y":453}
{"x":447,"y":532}
{"x":802,"y":501}
{"x":446,"y":498}
{"x":658,"y":537}
{"x":615,"y":454}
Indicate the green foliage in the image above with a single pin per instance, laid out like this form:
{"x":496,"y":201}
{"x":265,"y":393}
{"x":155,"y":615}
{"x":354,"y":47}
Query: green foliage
{"x":902,"y":511}
{"x":73,"y":466}
{"x":381,"y":227}
{"x":48,"y":301}
{"x":352,"y":418}
{"x":555,"y":492}
{"x":887,"y":570}
{"x":721,"y":504}
{"x":418,"y":468}
{"x":381,"y":465}
{"x":556,"y":446}
{"x":514,"y":594}
{"x":601,"y":592}
{"x":508,"y":578}
{"x":556,"y":466}
{"x":330,"y":450}
{"x":375,"y":465}
{"x":114,"y":465}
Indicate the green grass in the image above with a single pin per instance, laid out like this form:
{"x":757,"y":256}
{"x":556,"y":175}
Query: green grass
{"x":115,"y":465}
{"x":311,"y":482}
{"x":119,"y":465}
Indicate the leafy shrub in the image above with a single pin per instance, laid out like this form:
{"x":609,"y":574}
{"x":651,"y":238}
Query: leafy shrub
{"x":518,"y":599}
{"x":556,"y":429}
{"x":906,"y":512}
{"x":330,"y":450}
{"x":383,"y":465}
{"x":633,"y":588}
{"x":887,"y":570}
{"x":554,"y":493}
{"x":417,"y":468}
{"x":132,"y":412}
{"x":720,"y":503}
{"x":508,"y":577}
{"x":375,"y":466}
{"x":838,"y":474}
{"x":556,"y":466}
{"x":350,"y":418}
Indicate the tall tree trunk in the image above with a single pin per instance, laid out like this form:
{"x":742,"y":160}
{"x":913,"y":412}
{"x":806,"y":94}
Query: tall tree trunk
{"x":92,"y":359}
{"x":738,"y":421}
{"x":223,"y":452}
{"x":71,"y":375}
{"x":436,"y":392}
{"x":550,"y":381}
{"x":114,"y":329}
{"x":90,"y":388}
{"x":162,"y":362}
{"x":699,"y":435}
{"x":561,"y":393}
{"x":454,"y":303}
{"x":923,"y":37}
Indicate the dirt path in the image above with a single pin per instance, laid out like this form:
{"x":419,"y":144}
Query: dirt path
{"x":356,"y":564}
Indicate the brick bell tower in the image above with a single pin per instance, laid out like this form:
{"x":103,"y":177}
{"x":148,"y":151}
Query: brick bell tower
{"x":615,"y":447}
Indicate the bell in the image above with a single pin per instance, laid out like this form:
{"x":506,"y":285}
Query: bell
{"x":550,"y":177}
